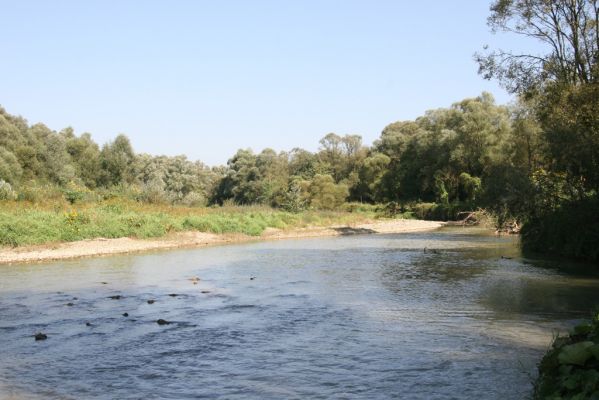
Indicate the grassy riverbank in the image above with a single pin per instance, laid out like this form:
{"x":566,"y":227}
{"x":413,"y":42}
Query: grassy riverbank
{"x":23,"y":223}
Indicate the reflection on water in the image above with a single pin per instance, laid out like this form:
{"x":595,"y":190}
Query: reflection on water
{"x":455,"y":313}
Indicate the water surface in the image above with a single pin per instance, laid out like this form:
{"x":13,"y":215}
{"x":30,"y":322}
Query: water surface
{"x":450,"y":314}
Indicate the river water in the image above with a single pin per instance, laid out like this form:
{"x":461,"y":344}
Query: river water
{"x":365,"y":317}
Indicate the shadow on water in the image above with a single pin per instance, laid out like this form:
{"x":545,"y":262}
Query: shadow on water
{"x":346,"y":230}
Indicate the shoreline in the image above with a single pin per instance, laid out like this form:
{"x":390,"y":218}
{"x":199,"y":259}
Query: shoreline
{"x":191,"y":239}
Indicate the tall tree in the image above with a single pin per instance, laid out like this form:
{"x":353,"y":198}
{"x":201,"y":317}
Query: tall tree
{"x":117,"y":161}
{"x":562,"y":83}
{"x":569,"y":29}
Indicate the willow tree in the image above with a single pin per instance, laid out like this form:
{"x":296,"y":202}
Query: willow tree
{"x":561,"y":86}
{"x":561,"y":82}
{"x":568,"y":31}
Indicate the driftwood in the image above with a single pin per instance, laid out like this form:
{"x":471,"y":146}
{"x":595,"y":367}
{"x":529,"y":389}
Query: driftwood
{"x":511,"y":228}
{"x":466,"y":218}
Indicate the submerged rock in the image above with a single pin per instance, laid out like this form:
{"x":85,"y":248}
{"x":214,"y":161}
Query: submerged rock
{"x":162,"y":322}
{"x":173,"y":294}
{"x":115,"y":297}
{"x":40,"y":336}
{"x":151,"y":301}
{"x":125,"y":314}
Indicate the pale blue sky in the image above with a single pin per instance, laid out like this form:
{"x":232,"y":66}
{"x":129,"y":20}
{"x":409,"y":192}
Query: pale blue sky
{"x":204,"y":78}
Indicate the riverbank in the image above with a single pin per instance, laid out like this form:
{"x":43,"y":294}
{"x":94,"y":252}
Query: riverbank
{"x":103,"y":246}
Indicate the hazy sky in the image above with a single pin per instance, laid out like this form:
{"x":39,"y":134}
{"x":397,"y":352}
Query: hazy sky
{"x":204,"y":78}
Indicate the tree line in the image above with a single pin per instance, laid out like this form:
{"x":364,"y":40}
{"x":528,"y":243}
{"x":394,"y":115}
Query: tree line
{"x":450,"y":156}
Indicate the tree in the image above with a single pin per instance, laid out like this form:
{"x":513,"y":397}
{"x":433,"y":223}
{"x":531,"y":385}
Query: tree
{"x":325,"y":194}
{"x":116,"y":160}
{"x":562,"y":84}
{"x":569,"y":30}
{"x":85,"y":155}
{"x":10,"y":169}
{"x":371,"y":175}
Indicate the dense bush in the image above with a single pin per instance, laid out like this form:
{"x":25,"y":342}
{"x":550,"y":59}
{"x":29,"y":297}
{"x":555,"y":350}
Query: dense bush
{"x":571,"y":230}
{"x":6,"y":192}
{"x":570,"y":369}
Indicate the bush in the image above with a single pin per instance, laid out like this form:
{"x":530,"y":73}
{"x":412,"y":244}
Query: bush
{"x":194,"y":199}
{"x":6,"y":192}
{"x":571,"y":230}
{"x":75,"y":193}
{"x":570,"y":369}
{"x":325,"y":194}
{"x":360,"y":208}
{"x":35,"y":193}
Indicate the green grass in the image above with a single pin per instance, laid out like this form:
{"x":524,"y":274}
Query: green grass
{"x":24,"y":223}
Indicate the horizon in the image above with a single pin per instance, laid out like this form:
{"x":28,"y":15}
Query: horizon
{"x":178,"y":82}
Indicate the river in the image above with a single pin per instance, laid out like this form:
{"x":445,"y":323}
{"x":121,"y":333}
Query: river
{"x":450,"y":314}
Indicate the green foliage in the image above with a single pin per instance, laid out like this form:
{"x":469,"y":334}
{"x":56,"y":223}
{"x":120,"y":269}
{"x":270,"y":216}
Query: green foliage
{"x":173,"y":180}
{"x":21,"y":224}
{"x":470,"y":187}
{"x":427,"y":157}
{"x":294,"y":201}
{"x":74,"y":193}
{"x":10,"y":169}
{"x":370,"y":178}
{"x":570,"y":369}
{"x":437,"y":211}
{"x":6,"y":192}
{"x":363,"y":208}
{"x":572,"y":230}
{"x":116,"y":159}
{"x":556,"y":129}
{"x":325,"y":194}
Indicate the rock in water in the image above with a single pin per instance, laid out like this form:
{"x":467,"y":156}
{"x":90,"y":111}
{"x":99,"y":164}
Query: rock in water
{"x":40,"y":336}
{"x":151,"y":301}
{"x":162,"y":322}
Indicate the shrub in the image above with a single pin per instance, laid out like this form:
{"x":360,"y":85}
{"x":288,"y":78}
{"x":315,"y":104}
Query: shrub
{"x":571,"y":230}
{"x":6,"y":192}
{"x":570,"y":369}
{"x":74,"y":193}
{"x":325,"y":194}
{"x":36,"y":193}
